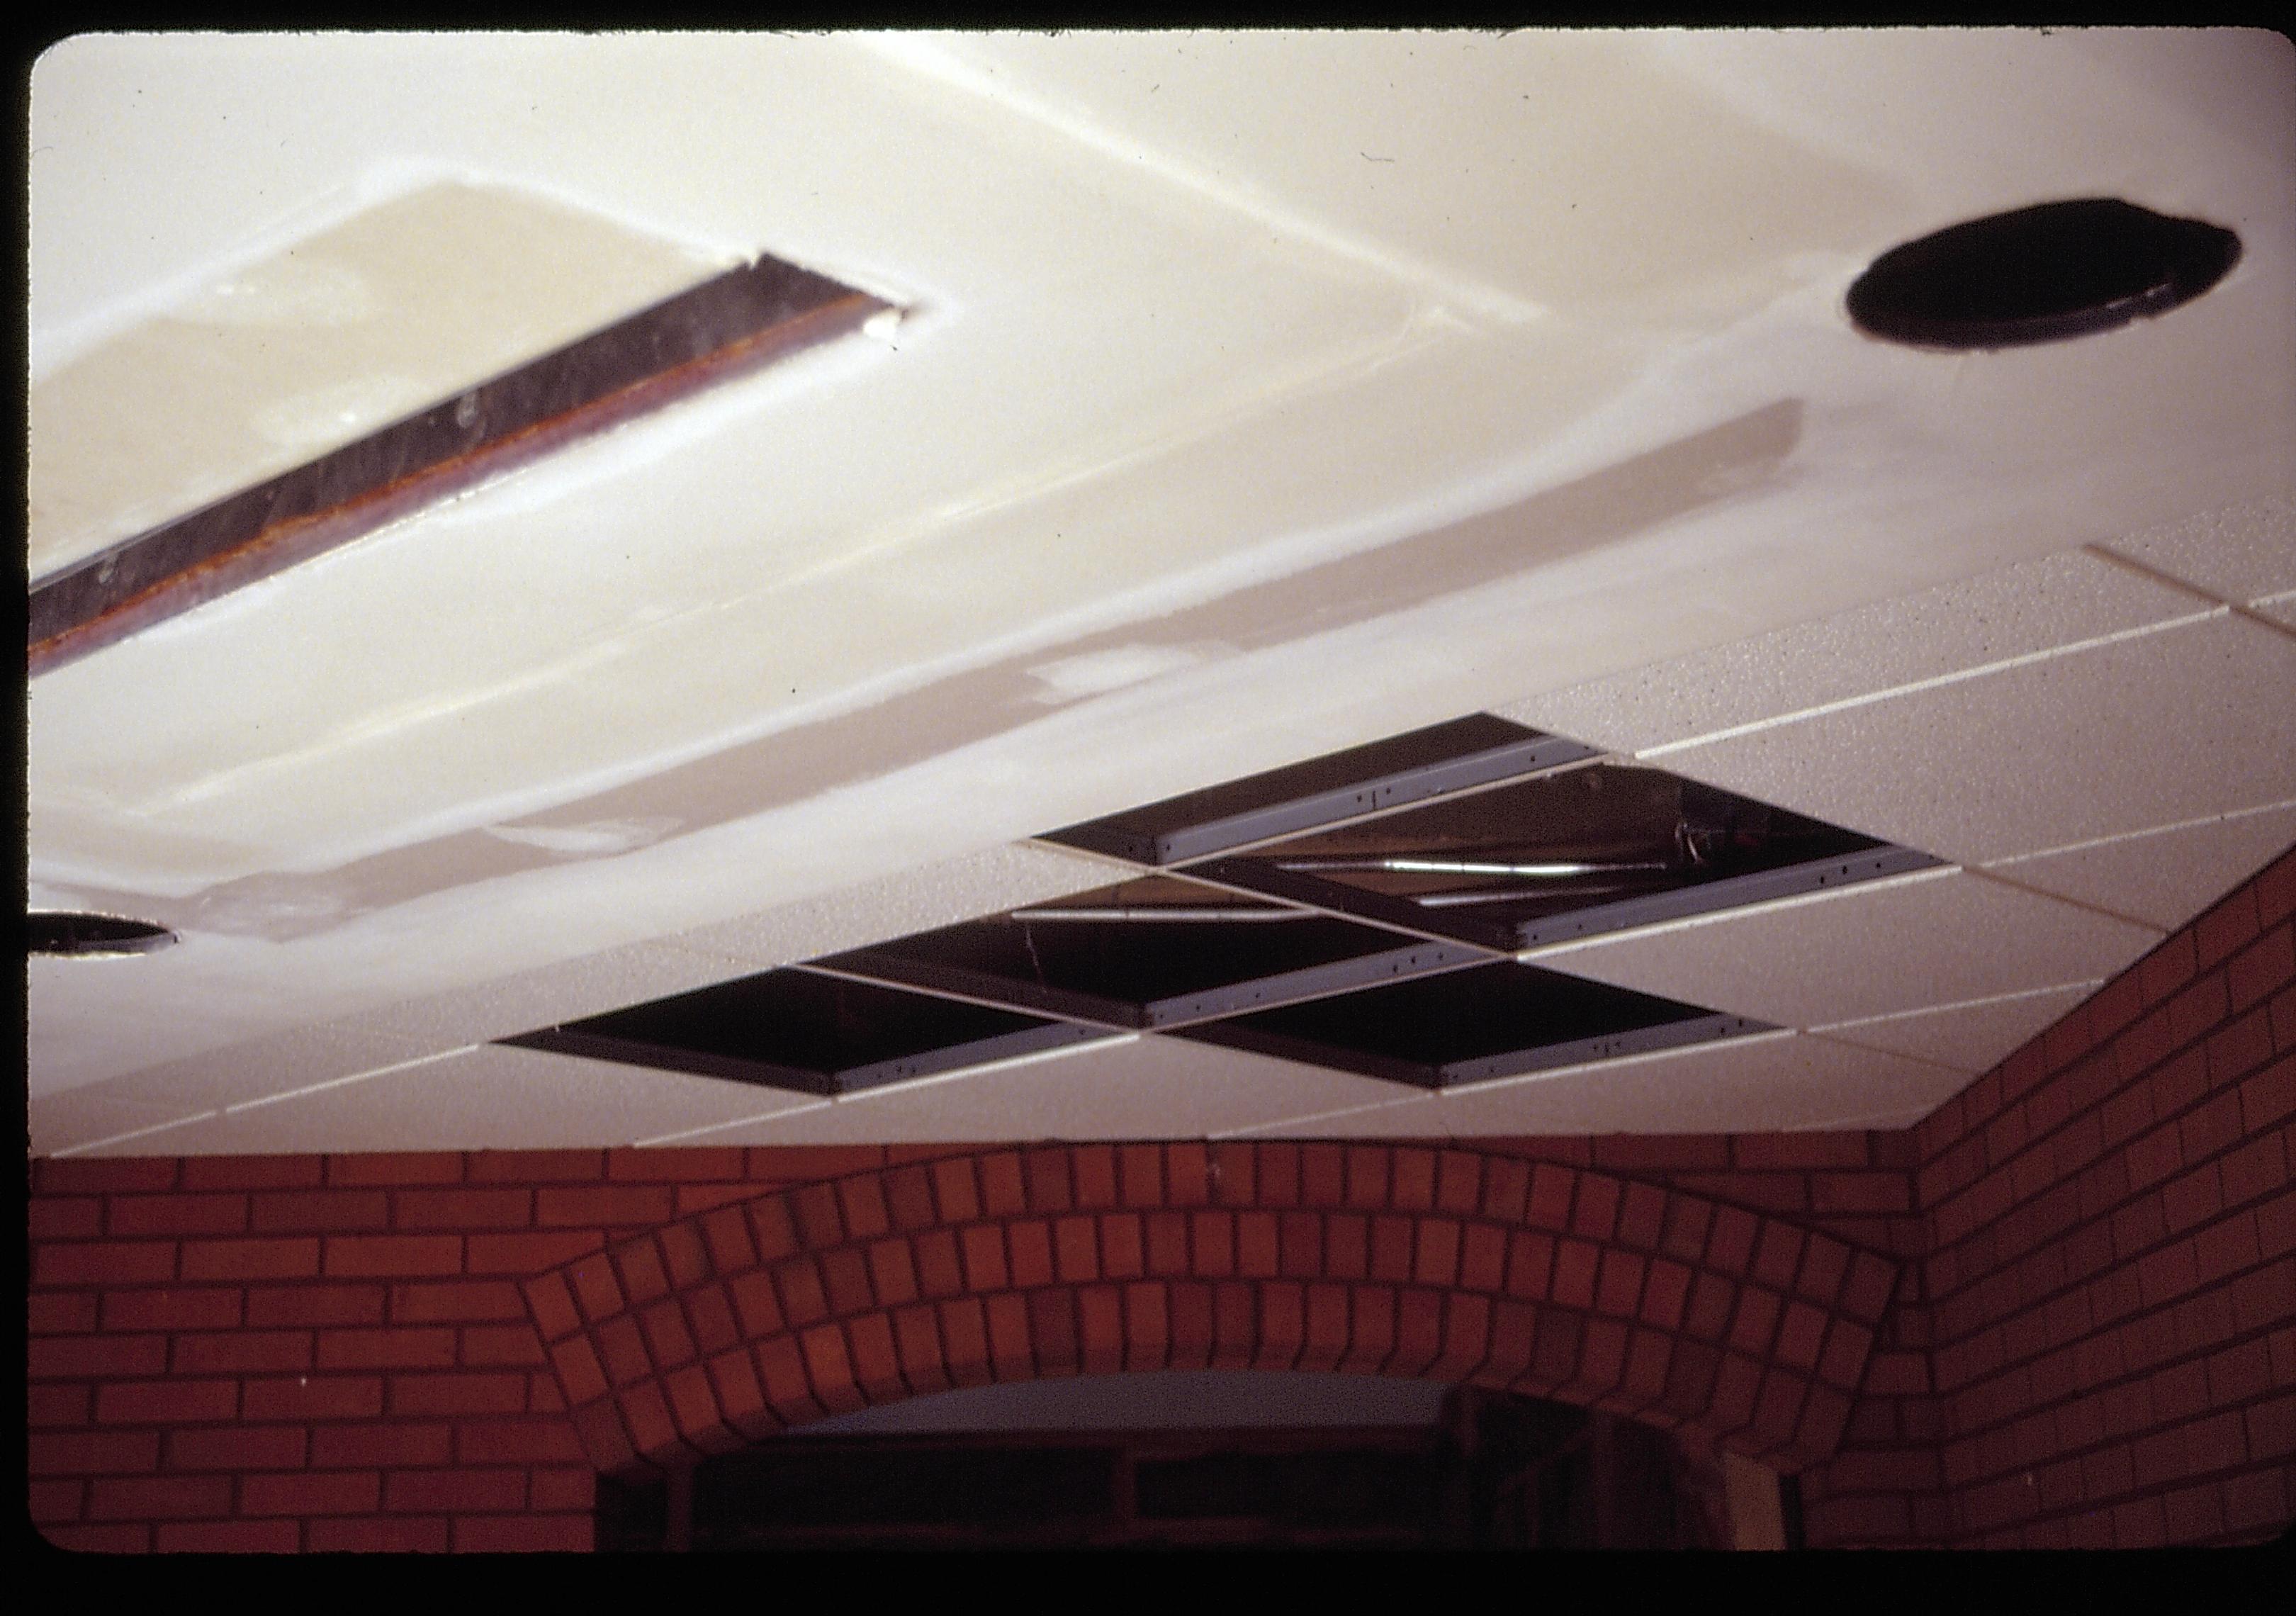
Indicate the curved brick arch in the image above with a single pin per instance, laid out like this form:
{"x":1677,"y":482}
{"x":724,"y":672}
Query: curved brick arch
{"x":1447,"y":1264}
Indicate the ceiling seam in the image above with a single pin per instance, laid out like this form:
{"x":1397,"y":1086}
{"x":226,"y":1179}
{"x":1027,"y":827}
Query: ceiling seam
{"x":1937,"y":682}
{"x":2026,"y":887}
{"x":2194,"y":823}
{"x":2105,"y":553}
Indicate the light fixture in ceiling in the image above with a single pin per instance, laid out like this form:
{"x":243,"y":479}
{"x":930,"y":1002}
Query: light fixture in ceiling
{"x":2039,"y":274}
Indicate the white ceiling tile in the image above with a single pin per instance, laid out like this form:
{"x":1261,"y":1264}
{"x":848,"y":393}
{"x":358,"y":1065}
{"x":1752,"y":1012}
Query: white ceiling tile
{"x":1134,"y":1088}
{"x":2157,"y":729}
{"x":2279,"y":608}
{"x":633,"y":974}
{"x":2241,"y":553}
{"x":986,"y":882}
{"x":2032,"y":606}
{"x":2165,"y":876}
{"x":261,"y":1067}
{"x":86,"y":1121}
{"x":1753,"y":1085}
{"x":1972,"y":1037}
{"x":490,"y":1098}
{"x":1744,"y":1086}
{"x":1934,"y":937}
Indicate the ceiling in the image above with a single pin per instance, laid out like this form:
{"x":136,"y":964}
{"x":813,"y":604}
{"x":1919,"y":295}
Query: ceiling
{"x":1253,"y":397}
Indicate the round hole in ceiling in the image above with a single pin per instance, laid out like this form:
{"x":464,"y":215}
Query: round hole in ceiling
{"x":2039,"y":274}
{"x":66,"y":935}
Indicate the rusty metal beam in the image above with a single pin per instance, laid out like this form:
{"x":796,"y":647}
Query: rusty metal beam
{"x":728,"y":325}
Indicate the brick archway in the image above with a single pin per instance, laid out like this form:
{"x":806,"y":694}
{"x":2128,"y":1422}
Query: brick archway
{"x":1735,"y":1329}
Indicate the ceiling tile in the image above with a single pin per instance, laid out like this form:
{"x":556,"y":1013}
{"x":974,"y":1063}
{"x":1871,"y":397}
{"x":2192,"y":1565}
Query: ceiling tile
{"x":2241,"y":553}
{"x":2032,"y":606}
{"x":1972,"y":1037}
{"x":1145,"y":1088}
{"x":1936,"y":938}
{"x":89,"y":1121}
{"x":986,"y":882}
{"x":546,"y":997}
{"x":1782,"y":1081}
{"x":2165,"y":876}
{"x":490,"y":1098}
{"x":261,"y":1066}
{"x":2279,"y":608}
{"x":2158,"y":729}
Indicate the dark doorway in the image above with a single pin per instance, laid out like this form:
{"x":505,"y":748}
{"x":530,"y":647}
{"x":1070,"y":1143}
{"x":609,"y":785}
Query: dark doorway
{"x":1489,"y":1471}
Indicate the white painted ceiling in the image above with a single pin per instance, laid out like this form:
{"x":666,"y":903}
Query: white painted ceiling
{"x":1256,"y":396}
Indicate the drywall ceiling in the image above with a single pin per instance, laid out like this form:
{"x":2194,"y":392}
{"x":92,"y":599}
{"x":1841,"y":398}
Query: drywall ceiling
{"x":1253,"y":397}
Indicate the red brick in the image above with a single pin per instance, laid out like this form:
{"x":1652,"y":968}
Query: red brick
{"x":81,"y":1453}
{"x":47,"y":1408}
{"x":2265,"y":1098}
{"x":314,"y":1398}
{"x":313,"y":1305}
{"x":166,"y":1498}
{"x":399,"y":1442}
{"x":377,"y":1535}
{"x":527,"y":1442}
{"x":238,"y":1448}
{"x":464,"y":1210}
{"x":173,"y":1402}
{"x":66,"y":1312}
{"x":489,"y":1346}
{"x":395,"y":1167}
{"x":449,"y":1394}
{"x":564,"y":1489}
{"x":252,"y":1172}
{"x":402,"y":1349}
{"x":392,"y":1256}
{"x":178,"y":1215}
{"x":457,"y":1302}
{"x":170,"y":1309}
{"x":242,"y":1352}
{"x":680,"y":1164}
{"x":108,"y":1539}
{"x":97,"y":1175}
{"x":530,"y":1253}
{"x":55,"y":1503}
{"x":2266,"y":964}
{"x":2257,"y":1500}
{"x":319,"y":1212}
{"x":65,"y":1358}
{"x":112,"y":1262}
{"x":441,"y":1491}
{"x":58,"y":1217}
{"x":250,"y":1258}
{"x":311,"y":1492}
{"x":523,"y":1534}
{"x":229,"y":1537}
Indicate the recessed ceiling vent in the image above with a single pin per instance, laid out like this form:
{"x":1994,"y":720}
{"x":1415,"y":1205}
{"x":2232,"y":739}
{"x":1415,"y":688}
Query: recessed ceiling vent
{"x":2039,"y":274}
{"x":58,"y":934}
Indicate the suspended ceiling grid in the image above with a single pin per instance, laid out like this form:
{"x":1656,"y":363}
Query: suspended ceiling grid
{"x":1323,"y":455}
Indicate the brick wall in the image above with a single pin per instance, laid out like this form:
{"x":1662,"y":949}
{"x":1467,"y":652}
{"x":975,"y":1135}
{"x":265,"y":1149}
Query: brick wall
{"x":2109,"y":1291}
{"x":2097,"y":1293}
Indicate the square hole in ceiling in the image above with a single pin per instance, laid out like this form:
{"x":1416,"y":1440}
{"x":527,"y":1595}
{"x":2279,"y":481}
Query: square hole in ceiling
{"x":1572,"y":853}
{"x":1497,"y":1021}
{"x":1360,"y":912}
{"x":800,"y":1029}
{"x":1155,"y":952}
{"x":1464,"y":753}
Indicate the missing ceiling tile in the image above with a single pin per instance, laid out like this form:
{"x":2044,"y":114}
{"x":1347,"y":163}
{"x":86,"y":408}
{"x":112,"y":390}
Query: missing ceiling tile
{"x":1497,"y":1021}
{"x":1148,"y":954}
{"x":803,"y":1031}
